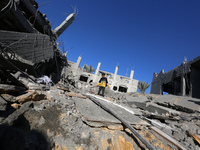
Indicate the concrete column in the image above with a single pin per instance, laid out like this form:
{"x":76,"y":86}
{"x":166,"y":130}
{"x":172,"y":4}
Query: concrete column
{"x":64,"y":25}
{"x":132,"y":73}
{"x":96,"y":73}
{"x":115,"y":74}
{"x":183,"y":85}
{"x":98,"y":68}
{"x":116,"y":70}
{"x":78,"y":62}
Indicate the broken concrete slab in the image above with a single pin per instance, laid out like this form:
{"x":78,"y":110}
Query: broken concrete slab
{"x":143,"y":103}
{"x":154,"y":108}
{"x":141,"y":99}
{"x":182,"y":103}
{"x":92,"y":112}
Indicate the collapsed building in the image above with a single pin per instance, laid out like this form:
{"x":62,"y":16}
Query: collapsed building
{"x":27,"y":42}
{"x":116,"y":82}
{"x":41,"y":116}
{"x":182,"y":80}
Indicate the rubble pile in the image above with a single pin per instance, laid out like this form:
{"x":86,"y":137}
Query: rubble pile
{"x":47,"y":116}
{"x":44,"y":104}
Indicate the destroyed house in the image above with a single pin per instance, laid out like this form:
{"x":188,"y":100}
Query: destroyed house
{"x":116,"y":82}
{"x":27,"y":42}
{"x":182,"y":80}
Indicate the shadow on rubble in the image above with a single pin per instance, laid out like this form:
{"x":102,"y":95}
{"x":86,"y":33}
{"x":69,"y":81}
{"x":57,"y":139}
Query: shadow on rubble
{"x":196,"y":102}
{"x":135,"y":140}
{"x":19,"y":139}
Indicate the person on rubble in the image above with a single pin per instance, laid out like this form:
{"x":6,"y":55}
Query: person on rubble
{"x":103,"y":82}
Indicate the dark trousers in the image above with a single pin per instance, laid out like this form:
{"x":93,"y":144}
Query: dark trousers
{"x":101,"y":88}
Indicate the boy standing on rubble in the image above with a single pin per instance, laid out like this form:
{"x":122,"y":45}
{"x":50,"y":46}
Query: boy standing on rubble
{"x":103,"y":82}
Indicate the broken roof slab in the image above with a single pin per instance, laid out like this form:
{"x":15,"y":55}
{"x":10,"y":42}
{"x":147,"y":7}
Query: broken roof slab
{"x":93,"y":113}
{"x":189,"y":103}
{"x":145,"y":104}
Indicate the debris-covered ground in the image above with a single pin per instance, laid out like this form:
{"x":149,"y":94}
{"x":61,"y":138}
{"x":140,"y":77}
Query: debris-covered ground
{"x":61,"y":116}
{"x":44,"y":106}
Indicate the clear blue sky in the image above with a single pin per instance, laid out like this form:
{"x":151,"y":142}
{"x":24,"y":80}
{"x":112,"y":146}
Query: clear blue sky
{"x":143,"y":35}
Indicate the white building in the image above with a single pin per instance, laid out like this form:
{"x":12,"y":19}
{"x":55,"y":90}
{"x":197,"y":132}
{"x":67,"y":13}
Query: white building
{"x":116,"y":82}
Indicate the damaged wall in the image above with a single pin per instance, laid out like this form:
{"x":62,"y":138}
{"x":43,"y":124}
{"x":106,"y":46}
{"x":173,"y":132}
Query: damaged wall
{"x":182,"y":80}
{"x":27,"y":42}
{"x":116,"y":82}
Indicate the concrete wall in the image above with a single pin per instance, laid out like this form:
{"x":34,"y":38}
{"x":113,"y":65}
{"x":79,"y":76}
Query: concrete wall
{"x":182,"y":80}
{"x":195,"y":81}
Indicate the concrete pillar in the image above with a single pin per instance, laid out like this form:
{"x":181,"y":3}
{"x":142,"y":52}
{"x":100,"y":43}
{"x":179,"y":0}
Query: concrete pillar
{"x":116,"y":70}
{"x":78,"y":62}
{"x":131,"y":74}
{"x":98,"y":68}
{"x":96,"y":73}
{"x":64,"y":25}
{"x":183,"y":85}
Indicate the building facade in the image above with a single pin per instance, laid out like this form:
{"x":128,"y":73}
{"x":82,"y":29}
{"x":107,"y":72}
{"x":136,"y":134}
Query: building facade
{"x":116,"y":82}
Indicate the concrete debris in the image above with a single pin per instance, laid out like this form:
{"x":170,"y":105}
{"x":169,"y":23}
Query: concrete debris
{"x":63,"y":113}
{"x":37,"y":115}
{"x":3,"y":104}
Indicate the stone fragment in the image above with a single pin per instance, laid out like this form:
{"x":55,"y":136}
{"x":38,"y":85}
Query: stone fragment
{"x":3,"y":104}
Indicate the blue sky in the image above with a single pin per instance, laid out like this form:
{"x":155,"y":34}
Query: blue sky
{"x":143,"y":35}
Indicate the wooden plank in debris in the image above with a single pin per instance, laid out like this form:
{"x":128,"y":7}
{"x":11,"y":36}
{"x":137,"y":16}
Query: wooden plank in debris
{"x":30,"y":96}
{"x":11,"y":88}
{"x":167,"y":137}
{"x":194,"y":136}
{"x":63,"y":88}
{"x":75,"y":95}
